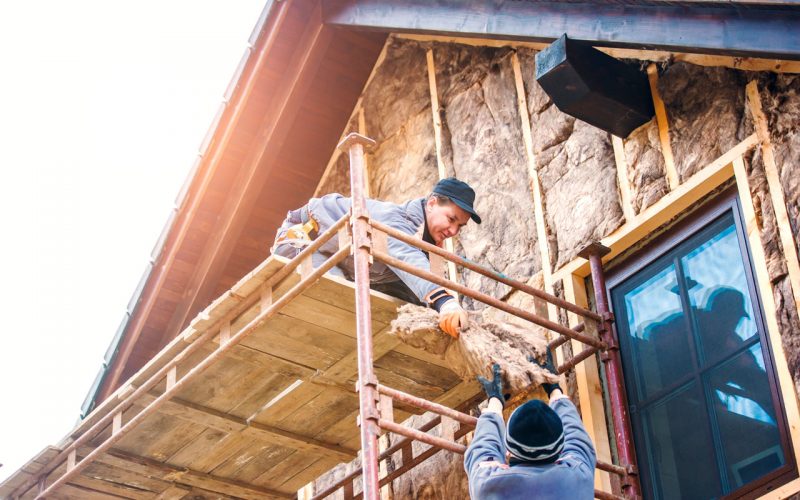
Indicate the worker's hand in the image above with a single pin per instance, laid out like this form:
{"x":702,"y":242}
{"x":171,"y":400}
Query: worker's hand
{"x":452,"y":317}
{"x":548,"y":365}
{"x":493,"y":388}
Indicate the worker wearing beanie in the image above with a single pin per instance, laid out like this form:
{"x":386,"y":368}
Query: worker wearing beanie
{"x":550,"y":455}
{"x":433,"y":219}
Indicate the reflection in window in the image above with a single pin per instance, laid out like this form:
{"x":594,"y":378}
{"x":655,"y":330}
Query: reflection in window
{"x":705,"y":421}
{"x":743,"y":406}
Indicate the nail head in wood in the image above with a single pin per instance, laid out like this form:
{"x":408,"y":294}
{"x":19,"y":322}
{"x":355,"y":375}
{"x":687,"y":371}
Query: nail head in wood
{"x":354,"y":138}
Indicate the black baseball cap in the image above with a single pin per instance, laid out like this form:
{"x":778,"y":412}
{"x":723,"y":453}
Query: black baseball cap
{"x":460,"y":193}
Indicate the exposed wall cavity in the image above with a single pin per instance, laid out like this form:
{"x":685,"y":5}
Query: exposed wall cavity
{"x":780,"y":98}
{"x":484,"y":147}
{"x":397,"y":112}
{"x":705,"y":107}
{"x":482,"y":143}
{"x":646,"y":170}
{"x":577,"y":172}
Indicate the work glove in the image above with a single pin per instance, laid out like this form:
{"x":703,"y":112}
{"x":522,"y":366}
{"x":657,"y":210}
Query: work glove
{"x":493,"y":388}
{"x":548,"y":365}
{"x":301,"y":232}
{"x":452,"y":317}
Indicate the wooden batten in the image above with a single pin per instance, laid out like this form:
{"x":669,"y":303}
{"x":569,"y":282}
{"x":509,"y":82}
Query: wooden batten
{"x":673,"y":179}
{"x":622,"y":178}
{"x":72,"y":460}
{"x":657,"y":56}
{"x":590,"y":387}
{"x":116,"y":424}
{"x":265,"y":299}
{"x":775,"y":190}
{"x":536,"y":189}
{"x":172,"y":374}
{"x":437,"y":137}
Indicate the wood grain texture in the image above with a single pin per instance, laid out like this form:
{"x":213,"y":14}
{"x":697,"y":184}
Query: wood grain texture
{"x":273,"y":413}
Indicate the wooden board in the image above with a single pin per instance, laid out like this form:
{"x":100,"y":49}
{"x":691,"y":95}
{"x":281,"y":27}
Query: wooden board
{"x":271,"y":414}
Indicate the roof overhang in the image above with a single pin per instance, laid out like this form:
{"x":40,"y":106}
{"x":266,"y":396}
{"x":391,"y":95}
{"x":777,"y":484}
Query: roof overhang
{"x":763,"y":29}
{"x":291,"y":98}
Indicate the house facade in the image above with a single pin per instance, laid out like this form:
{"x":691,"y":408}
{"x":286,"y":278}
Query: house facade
{"x":699,"y":208}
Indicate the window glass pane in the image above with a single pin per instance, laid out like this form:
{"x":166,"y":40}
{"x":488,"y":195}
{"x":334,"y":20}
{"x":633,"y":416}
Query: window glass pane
{"x":679,"y":447}
{"x":702,"y":398}
{"x":658,"y":333}
{"x":718,"y":295}
{"x":745,"y":416}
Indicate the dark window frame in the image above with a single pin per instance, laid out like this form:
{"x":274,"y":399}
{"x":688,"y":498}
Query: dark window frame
{"x":688,"y":227}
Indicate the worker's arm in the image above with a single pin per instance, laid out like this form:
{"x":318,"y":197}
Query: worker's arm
{"x":487,"y":444}
{"x":577,"y":443}
{"x":487,"y":450}
{"x":452,"y":315}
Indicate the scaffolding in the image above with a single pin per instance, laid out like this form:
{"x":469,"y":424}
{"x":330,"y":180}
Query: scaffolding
{"x":366,"y":240}
{"x":376,"y":401}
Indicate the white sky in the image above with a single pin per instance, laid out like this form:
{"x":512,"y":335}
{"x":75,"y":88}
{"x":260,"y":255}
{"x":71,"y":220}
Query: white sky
{"x":103,"y":105}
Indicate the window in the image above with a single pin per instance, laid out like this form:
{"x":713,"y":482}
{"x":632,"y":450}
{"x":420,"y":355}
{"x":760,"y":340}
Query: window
{"x":704,"y":404}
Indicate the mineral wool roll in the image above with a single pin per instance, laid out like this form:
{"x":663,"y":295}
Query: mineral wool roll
{"x":483,"y":342}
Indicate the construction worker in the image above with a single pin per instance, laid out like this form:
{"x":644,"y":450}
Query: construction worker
{"x":549,"y":452}
{"x":433,"y":219}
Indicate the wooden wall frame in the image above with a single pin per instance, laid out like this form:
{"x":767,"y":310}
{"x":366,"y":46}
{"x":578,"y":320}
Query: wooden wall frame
{"x":639,"y":227}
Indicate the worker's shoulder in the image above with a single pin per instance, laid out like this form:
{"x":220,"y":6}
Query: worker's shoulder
{"x":409,"y":212}
{"x":496,"y":477}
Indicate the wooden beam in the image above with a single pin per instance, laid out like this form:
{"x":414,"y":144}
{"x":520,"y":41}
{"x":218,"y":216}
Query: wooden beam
{"x":662,"y":56}
{"x":622,"y":178}
{"x":185,"y":476}
{"x":765,"y":31}
{"x":227,"y":423}
{"x":536,"y":190}
{"x":436,"y":113}
{"x":775,"y":190}
{"x":663,"y":129}
{"x":249,"y":180}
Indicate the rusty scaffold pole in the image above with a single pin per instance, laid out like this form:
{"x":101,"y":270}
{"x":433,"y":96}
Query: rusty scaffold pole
{"x":613,"y":368}
{"x":367,"y":385}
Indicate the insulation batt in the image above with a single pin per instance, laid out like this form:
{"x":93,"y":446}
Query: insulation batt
{"x":482,"y":343}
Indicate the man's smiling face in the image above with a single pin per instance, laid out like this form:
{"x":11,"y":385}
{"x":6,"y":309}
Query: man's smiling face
{"x":445,"y":220}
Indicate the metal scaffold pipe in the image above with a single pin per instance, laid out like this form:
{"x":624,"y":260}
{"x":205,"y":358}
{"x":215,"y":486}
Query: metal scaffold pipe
{"x":355,"y":145}
{"x":613,"y":369}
